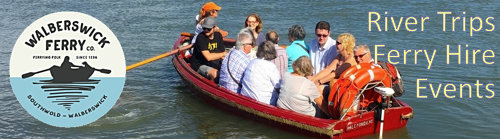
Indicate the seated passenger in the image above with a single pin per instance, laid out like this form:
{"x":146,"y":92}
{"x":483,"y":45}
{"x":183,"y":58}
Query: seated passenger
{"x":67,"y":65}
{"x":344,"y":60}
{"x":261,"y":78}
{"x":208,"y":50}
{"x":297,"y":93}
{"x":209,"y":9}
{"x":298,"y":47}
{"x":323,"y":49}
{"x":254,"y":22}
{"x":281,"y":60}
{"x":362,"y":54}
{"x":235,"y":62}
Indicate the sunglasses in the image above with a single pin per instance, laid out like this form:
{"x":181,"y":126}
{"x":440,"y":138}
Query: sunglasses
{"x":360,"y":56}
{"x":322,"y":35}
{"x":207,"y":29}
{"x":245,"y":44}
{"x":251,"y":22}
{"x":338,"y":43}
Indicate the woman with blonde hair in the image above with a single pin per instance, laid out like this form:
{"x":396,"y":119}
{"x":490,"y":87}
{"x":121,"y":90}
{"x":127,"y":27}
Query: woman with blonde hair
{"x":345,"y":59}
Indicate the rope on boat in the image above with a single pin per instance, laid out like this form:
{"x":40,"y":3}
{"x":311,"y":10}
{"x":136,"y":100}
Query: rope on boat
{"x":356,"y":100}
{"x":337,"y":132}
{"x":407,"y":116}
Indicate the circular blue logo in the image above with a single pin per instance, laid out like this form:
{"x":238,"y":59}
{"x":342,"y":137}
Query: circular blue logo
{"x":67,"y":69}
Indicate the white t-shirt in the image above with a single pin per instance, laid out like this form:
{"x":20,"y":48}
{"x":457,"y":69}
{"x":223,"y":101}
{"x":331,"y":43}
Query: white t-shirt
{"x":260,"y":80}
{"x":297,"y":94}
{"x":197,"y":31}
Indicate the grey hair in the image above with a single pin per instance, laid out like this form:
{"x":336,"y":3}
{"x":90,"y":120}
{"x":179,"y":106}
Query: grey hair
{"x":242,"y":35}
{"x":297,"y":32}
{"x":266,"y":50}
{"x":363,"y":46}
{"x":303,"y":66}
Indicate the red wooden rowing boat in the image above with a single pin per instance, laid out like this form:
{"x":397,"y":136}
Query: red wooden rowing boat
{"x":361,"y":124}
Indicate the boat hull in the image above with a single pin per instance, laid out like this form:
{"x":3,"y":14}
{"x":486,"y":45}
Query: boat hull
{"x":72,"y":75}
{"x":355,"y":126}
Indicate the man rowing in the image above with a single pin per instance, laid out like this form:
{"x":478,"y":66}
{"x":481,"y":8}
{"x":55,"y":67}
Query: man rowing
{"x":66,"y":65}
{"x":208,"y":50}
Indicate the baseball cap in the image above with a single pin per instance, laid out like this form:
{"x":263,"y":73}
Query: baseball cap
{"x":210,"y":6}
{"x":209,"y":22}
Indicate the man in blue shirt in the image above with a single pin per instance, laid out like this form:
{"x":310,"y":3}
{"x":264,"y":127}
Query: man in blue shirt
{"x":235,"y":62}
{"x":323,"y":49}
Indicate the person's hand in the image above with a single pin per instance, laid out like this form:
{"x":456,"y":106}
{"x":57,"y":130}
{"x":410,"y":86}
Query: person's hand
{"x":317,"y":82}
{"x":310,"y":78}
{"x":224,"y":55}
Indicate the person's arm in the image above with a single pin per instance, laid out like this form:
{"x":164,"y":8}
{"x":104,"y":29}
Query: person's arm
{"x":213,"y":56}
{"x":328,"y":73}
{"x":73,"y":65}
{"x":203,"y":47}
{"x":222,"y":32}
{"x":311,"y":90}
{"x":189,"y":46}
{"x":327,"y":78}
{"x":319,"y":99}
{"x":274,"y":75}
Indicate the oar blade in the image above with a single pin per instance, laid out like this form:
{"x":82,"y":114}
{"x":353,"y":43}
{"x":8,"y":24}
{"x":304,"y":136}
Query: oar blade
{"x":106,"y":71}
{"x":29,"y":74}
{"x":26,"y":75}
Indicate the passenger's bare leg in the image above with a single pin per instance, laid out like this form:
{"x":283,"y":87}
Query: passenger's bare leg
{"x":322,"y":101}
{"x":212,"y":74}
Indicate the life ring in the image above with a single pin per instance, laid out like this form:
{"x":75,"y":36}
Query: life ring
{"x":344,"y":91}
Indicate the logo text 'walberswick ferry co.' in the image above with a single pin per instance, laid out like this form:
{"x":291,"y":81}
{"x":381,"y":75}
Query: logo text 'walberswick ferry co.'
{"x":67,"y":69}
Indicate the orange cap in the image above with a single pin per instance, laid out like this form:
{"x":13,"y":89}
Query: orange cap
{"x":210,"y":6}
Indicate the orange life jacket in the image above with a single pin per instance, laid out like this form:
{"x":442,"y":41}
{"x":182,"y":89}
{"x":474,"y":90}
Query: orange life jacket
{"x":343,"y":93}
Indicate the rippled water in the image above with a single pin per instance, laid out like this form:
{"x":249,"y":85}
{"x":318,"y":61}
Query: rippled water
{"x":155,"y":102}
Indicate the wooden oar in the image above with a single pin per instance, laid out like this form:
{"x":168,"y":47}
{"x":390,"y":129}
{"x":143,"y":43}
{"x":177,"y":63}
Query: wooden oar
{"x":226,"y":40}
{"x":158,"y":57}
{"x":29,"y":74}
